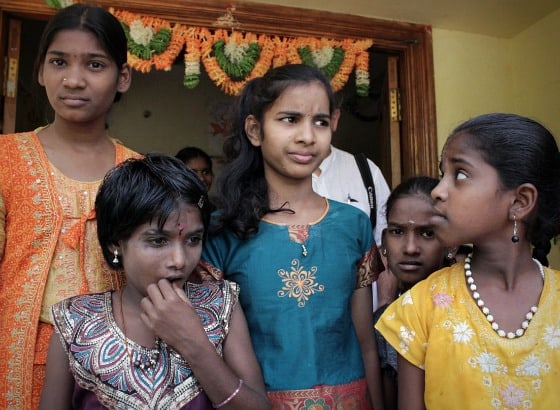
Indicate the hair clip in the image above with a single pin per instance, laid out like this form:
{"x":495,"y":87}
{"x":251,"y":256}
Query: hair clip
{"x":201,"y":201}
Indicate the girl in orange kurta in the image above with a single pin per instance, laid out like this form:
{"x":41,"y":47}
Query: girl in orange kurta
{"x":48,"y":182}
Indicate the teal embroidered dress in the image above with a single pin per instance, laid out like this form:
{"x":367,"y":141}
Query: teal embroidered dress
{"x":296,"y":284}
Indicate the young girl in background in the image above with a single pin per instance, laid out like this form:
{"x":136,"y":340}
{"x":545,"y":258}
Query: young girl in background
{"x":304,"y":263}
{"x":48,"y":181}
{"x":486,"y":333}
{"x":413,"y":252}
{"x":158,"y":342}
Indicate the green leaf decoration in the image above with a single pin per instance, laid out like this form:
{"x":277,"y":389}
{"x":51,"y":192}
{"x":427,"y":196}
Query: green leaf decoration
{"x":331,"y":68}
{"x":158,"y":44}
{"x":241,"y":70}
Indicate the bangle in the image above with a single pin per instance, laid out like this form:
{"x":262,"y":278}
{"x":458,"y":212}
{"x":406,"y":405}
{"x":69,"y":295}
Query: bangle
{"x":230,"y":397}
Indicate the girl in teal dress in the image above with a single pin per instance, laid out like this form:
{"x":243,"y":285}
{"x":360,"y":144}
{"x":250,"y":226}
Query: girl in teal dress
{"x":304,"y":263}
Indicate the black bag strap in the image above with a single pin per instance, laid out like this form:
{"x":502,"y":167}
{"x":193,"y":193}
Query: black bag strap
{"x":363,"y":166}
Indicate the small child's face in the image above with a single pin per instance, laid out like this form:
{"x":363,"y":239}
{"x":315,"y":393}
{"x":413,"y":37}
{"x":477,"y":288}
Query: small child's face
{"x":202,"y":169}
{"x":413,"y":251}
{"x":171,"y":253}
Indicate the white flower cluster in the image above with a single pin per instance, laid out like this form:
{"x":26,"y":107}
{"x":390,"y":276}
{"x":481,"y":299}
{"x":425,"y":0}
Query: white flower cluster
{"x":141,"y":34}
{"x":322,"y":56}
{"x":235,"y":52}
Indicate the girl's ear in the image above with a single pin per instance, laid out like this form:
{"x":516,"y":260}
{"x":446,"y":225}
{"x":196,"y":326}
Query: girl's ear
{"x":125,"y":78}
{"x":40,"y":78}
{"x":524,"y":201}
{"x":253,"y":130}
{"x":334,"y":119}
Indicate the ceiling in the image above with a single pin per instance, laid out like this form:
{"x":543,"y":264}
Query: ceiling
{"x":497,"y":18}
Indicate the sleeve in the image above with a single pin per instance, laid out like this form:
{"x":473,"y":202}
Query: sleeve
{"x":404,"y":325}
{"x":382,"y":192}
{"x":371,"y":264}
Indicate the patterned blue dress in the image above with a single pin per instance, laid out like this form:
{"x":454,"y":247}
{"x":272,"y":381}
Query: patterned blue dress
{"x":296,"y":287}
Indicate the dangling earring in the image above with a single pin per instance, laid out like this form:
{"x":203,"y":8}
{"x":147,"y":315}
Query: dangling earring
{"x":515,"y":237}
{"x":116,"y":258}
{"x":384,"y":251}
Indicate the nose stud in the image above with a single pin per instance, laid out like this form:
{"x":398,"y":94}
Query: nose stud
{"x":64,"y":79}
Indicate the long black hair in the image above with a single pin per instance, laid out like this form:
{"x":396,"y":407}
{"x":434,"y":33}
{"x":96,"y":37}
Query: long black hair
{"x":241,"y":188}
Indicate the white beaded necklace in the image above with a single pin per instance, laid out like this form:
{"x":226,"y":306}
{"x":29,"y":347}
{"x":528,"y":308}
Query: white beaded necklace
{"x":476,"y":296}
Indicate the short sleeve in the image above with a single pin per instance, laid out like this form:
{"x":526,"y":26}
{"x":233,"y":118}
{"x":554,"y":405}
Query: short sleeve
{"x":404,"y":327}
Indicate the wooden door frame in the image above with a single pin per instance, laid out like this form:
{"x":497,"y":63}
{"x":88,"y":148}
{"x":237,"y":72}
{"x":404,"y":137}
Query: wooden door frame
{"x":411,"y":42}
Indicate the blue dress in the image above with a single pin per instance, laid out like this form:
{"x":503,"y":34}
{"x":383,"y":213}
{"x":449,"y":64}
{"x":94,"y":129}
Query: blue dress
{"x":296,"y":285}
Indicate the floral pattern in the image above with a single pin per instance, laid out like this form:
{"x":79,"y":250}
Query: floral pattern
{"x":440,"y":316}
{"x":299,"y":283}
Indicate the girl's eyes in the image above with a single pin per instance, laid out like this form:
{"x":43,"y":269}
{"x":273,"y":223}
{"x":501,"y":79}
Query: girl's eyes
{"x":429,"y":234}
{"x":194,"y":240}
{"x":460,"y":175}
{"x":93,"y":65}
{"x":395,"y":231}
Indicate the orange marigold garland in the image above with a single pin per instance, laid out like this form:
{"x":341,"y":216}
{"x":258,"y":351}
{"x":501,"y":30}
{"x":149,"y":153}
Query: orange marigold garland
{"x":152,"y":42}
{"x":192,"y":58}
{"x":233,"y":59}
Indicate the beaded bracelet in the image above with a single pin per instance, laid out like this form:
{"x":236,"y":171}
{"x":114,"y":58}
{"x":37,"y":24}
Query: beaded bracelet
{"x":230,"y":397}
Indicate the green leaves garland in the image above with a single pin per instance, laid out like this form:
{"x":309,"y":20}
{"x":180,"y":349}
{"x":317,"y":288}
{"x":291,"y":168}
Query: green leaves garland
{"x":331,"y":68}
{"x":158,"y":44}
{"x":240,"y":70}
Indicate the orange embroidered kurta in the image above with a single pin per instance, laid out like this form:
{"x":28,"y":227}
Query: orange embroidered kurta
{"x":31,"y":226}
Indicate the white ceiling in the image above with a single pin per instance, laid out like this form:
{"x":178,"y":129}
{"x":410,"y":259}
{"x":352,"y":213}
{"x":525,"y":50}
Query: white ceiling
{"x":498,"y":18}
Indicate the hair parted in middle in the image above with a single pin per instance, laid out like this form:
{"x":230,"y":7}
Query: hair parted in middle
{"x":242,"y":192}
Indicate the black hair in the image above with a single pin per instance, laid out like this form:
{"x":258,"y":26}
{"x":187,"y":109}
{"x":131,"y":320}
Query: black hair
{"x":141,"y":190}
{"x":522,"y":151}
{"x":188,"y":153}
{"x":242,"y":190}
{"x":98,"y":21}
{"x":414,"y":186}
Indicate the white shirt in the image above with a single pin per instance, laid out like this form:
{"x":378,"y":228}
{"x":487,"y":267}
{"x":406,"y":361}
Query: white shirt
{"x":340,"y":179}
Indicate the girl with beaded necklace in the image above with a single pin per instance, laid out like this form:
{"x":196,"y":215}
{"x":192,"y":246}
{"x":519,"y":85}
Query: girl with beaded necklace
{"x":486,"y":333}
{"x":162,"y":341}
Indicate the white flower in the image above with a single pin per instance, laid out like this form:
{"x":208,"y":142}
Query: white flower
{"x":322,"y":56}
{"x":407,"y":299}
{"x":141,"y":34}
{"x":406,"y":335}
{"x":192,"y":68}
{"x":488,"y":362}
{"x":462,"y":333}
{"x":531,"y":366}
{"x":235,"y":52}
{"x":552,"y":337}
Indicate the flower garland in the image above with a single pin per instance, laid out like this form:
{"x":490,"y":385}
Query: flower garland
{"x":151,"y":41}
{"x":231,"y":59}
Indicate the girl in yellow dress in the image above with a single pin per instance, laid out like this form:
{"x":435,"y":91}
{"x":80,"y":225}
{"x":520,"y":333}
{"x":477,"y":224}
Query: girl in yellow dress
{"x":485,"y":333}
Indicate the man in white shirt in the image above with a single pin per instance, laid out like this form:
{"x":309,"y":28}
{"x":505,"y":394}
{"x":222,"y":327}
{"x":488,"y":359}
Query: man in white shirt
{"x":338,"y":178}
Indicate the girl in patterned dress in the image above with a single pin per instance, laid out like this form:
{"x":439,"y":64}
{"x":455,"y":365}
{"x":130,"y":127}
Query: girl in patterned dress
{"x":485,"y":333}
{"x":161,"y":342}
{"x":304,"y":263}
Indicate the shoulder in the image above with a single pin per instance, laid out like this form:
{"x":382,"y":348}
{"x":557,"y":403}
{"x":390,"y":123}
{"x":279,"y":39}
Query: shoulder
{"x":340,"y":209}
{"x":210,"y":291}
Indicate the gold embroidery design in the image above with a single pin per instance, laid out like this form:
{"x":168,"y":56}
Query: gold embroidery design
{"x":299,"y":283}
